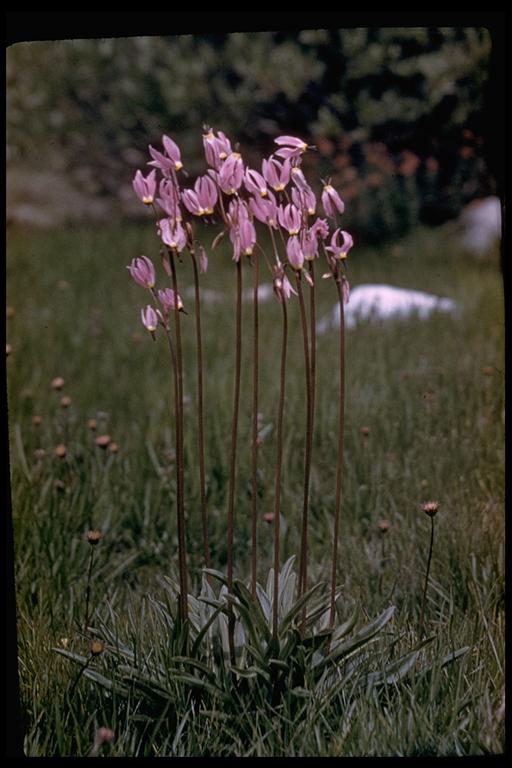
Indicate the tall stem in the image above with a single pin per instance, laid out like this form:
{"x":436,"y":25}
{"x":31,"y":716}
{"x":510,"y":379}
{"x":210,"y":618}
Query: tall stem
{"x":254,"y":457}
{"x":200,"y":416}
{"x":309,"y":435}
{"x":88,"y":590}
{"x":182,"y":547}
{"x":424,"y":601}
{"x":279,"y":462}
{"x":341,"y":435}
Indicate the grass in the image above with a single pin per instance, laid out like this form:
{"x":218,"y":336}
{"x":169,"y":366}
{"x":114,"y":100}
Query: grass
{"x":431,"y":393}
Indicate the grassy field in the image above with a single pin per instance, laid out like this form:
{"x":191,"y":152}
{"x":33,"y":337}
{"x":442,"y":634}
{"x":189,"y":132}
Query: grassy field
{"x":431,"y":393}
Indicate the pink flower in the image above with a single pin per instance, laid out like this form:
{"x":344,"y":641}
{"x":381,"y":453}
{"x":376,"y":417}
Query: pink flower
{"x":294,"y":253}
{"x":255,"y":183}
{"x":172,"y":235}
{"x":305,"y":199}
{"x":277,"y":174}
{"x":340,"y":251}
{"x":166,"y":163}
{"x":169,"y":199}
{"x":202,"y":200}
{"x":173,"y":151}
{"x":320,"y":229}
{"x":247,"y":237}
{"x":282,"y":287}
{"x":145,"y":187}
{"x":241,"y":229}
{"x":289,"y":218}
{"x":216,"y":148}
{"x":331,"y":201}
{"x":167,"y":299}
{"x":143,"y":271}
{"x":149,"y":318}
{"x":298,"y":178}
{"x":231,"y":174}
{"x":309,"y":244}
{"x":265,"y":209}
{"x":290,"y":146}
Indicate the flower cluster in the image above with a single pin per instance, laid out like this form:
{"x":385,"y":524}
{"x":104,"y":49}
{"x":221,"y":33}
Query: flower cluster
{"x":276,"y":196}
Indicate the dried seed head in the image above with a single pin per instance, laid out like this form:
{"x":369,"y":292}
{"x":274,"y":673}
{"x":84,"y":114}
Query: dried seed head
{"x":37,"y":420}
{"x":487,"y":370}
{"x":430,"y":508}
{"x":268,"y":517}
{"x":113,"y":448}
{"x":92,"y":424}
{"x":424,"y":483}
{"x":64,"y":641}
{"x":102,"y":441}
{"x":94,"y":537}
{"x":365,"y":431}
{"x":65,"y":401}
{"x":60,"y":450}
{"x":58,"y":382}
{"x":383,"y":526}
{"x":39,"y":454}
{"x":96,"y":647}
{"x":8,"y":350}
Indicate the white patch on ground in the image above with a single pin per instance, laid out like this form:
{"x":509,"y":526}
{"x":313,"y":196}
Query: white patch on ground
{"x":385,"y":302}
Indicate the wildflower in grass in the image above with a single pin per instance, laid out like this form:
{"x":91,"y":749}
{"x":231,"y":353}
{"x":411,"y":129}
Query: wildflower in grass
{"x":171,"y":161}
{"x":295,"y":253}
{"x":65,"y":401}
{"x":102,"y":736}
{"x":94,"y":537}
{"x":39,"y":454}
{"x":365,"y":431}
{"x":60,"y":451}
{"x":172,"y":234}
{"x":231,"y":174}
{"x":92,"y":424}
{"x":145,"y":188}
{"x":58,"y":382}
{"x":340,"y":250}
{"x":255,"y":183}
{"x":383,"y":526}
{"x":431,"y":509}
{"x":113,"y":448}
{"x":102,"y":441}
{"x":167,"y":299}
{"x":276,"y":174}
{"x":331,"y":201}
{"x":289,"y":218}
{"x":37,"y":420}
{"x":264,"y":209}
{"x":268,"y":517}
{"x":202,"y":200}
{"x":290,"y":146}
{"x":142,"y":270}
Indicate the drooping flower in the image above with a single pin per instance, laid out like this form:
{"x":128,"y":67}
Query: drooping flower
{"x":340,"y":251}
{"x":231,"y":174}
{"x":169,"y":199}
{"x":276,"y":174}
{"x":255,"y":183}
{"x":283,"y":289}
{"x":201,"y":201}
{"x":289,"y":218}
{"x":294,"y":253}
{"x":264,"y":209}
{"x":173,"y":151}
{"x":171,"y":161}
{"x":331,"y":201}
{"x":149,"y":318}
{"x":305,"y":200}
{"x":290,"y":146}
{"x":247,"y":237}
{"x":216,"y":148}
{"x":145,"y":187}
{"x":309,"y":244}
{"x":172,"y":234}
{"x":320,"y":229}
{"x":167,"y":299}
{"x":142,"y":271}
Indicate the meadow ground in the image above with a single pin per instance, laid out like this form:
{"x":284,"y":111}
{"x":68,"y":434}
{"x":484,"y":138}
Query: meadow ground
{"x":431,"y":394}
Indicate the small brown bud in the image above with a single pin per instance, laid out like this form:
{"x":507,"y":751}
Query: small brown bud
{"x":65,"y":401}
{"x":487,"y":370}
{"x":383,"y":526}
{"x":94,"y":537}
{"x":39,"y":454}
{"x":8,"y":350}
{"x":58,"y":382}
{"x":430,"y":508}
{"x":60,"y":450}
{"x":113,"y":448}
{"x":365,"y":431}
{"x":268,"y":517}
{"x":92,"y":424}
{"x":96,"y":647}
{"x":9,"y":312}
{"x":37,"y":420}
{"x":102,"y":441}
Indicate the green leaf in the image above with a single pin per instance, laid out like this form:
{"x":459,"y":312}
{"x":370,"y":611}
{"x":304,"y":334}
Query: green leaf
{"x":360,"y":639}
{"x":299,"y":605}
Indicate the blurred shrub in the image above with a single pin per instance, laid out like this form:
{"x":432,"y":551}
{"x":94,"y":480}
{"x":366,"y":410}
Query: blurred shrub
{"x":395,"y":113}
